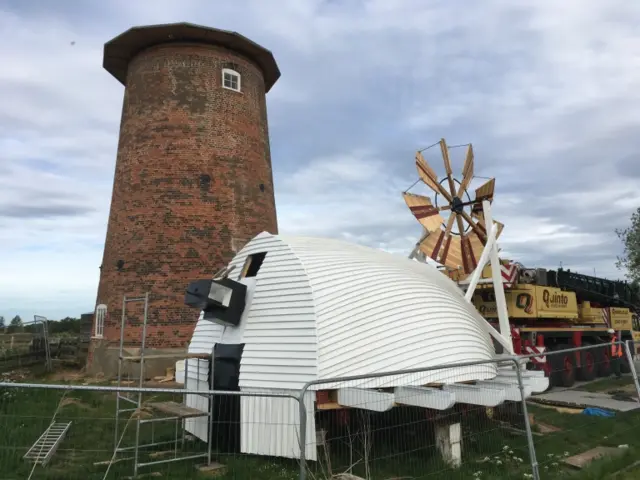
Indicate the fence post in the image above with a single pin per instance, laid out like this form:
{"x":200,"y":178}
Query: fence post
{"x":527,"y":424}
{"x":632,"y":367}
{"x":303,"y":432}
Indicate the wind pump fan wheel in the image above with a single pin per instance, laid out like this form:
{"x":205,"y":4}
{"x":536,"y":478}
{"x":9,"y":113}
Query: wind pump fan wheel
{"x":457,"y":240}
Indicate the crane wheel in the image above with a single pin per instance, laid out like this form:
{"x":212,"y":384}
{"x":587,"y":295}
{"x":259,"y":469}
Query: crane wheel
{"x":603,"y":359}
{"x":588,"y":364}
{"x":624,"y":364}
{"x":563,"y":367}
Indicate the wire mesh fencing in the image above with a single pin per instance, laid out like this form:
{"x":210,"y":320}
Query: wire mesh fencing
{"x":590,"y":411}
{"x":429,"y":424}
{"x":19,"y":349}
{"x":68,"y":432}
{"x":468,"y":421}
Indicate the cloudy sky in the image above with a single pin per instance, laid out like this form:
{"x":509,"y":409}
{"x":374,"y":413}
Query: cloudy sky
{"x":547,"y":91}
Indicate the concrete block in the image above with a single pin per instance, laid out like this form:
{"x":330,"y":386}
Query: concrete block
{"x":449,"y":443}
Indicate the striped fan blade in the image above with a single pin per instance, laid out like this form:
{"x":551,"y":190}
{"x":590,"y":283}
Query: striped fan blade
{"x":472,"y":247}
{"x":424,"y":211}
{"x":481,"y":224}
{"x":436,"y":242}
{"x":427,"y":174}
{"x":442,"y":255}
{"x":475,"y":227}
{"x":484,"y":192}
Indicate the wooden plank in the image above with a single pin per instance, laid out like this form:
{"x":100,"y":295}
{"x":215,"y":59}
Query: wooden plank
{"x":585,"y":458}
{"x":176,"y":409}
{"x":137,"y":358}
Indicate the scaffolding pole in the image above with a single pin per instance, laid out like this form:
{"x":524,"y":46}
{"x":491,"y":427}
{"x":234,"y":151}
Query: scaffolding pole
{"x":178,"y":413}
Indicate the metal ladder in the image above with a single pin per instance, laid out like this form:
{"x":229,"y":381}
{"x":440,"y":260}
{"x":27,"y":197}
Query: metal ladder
{"x":44,"y":448}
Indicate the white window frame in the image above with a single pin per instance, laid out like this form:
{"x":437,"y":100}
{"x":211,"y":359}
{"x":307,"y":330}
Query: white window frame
{"x":101,"y":314}
{"x":231,"y":71}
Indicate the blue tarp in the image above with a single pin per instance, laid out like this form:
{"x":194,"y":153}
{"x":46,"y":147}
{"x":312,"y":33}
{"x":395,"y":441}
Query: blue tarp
{"x":598,"y":412}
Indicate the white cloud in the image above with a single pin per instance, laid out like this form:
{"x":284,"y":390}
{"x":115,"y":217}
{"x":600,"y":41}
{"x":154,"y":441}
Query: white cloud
{"x":546,"y":91}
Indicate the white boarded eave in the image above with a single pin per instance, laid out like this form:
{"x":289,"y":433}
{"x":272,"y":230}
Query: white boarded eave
{"x":504,"y":387}
{"x":325,"y":308}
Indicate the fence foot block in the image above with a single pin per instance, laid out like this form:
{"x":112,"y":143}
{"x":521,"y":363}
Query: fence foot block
{"x":145,"y":475}
{"x":449,"y":443}
{"x":214,"y":469}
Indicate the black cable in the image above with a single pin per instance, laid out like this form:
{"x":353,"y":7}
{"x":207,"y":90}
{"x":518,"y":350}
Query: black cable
{"x":458,"y":146}
{"x":412,"y":185}
{"x":430,"y":146}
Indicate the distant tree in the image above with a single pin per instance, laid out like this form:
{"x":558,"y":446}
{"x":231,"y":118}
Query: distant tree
{"x":2,"y":322}
{"x":630,"y":237}
{"x":65,"y":325}
{"x":16,"y":324}
{"x":635,"y":292}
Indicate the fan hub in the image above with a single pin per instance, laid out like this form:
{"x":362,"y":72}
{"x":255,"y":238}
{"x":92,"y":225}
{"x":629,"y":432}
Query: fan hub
{"x":457,"y":205}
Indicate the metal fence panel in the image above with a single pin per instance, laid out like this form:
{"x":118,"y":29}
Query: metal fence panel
{"x":394,"y":426}
{"x":375,"y":427}
{"x":67,"y":432}
{"x":589,"y":412}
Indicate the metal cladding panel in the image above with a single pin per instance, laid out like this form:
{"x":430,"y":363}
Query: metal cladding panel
{"x":280,"y":330}
{"x":205,"y":335}
{"x":378,"y":312}
{"x":271,"y":425}
{"x":279,"y":325}
{"x":324,"y":308}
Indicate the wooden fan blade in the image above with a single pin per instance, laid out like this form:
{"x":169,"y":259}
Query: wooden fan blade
{"x":445,"y":155}
{"x":469,"y":261}
{"x":460,"y":225}
{"x":500,"y":227}
{"x":481,"y":223}
{"x":467,"y":171}
{"x":447,"y":166}
{"x":480,"y":231}
{"x":452,"y":217}
{"x":443,"y":247}
{"x":451,"y":255}
{"x":485,"y":191}
{"x":471,"y":248}
{"x":424,"y":211}
{"x":442,"y":258}
{"x":476,"y":246}
{"x":432,"y":244}
{"x":428,"y":176}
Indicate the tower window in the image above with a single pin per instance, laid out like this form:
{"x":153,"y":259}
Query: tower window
{"x":230,"y":79}
{"x":101,"y":313}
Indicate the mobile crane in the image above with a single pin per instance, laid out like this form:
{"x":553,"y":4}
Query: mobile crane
{"x":548,"y":310}
{"x":551,"y":310}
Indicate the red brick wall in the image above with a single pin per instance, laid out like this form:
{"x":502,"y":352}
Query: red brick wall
{"x":193,"y":172}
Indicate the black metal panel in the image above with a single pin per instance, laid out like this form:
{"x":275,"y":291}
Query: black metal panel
{"x":226,"y":408}
{"x":613,"y":293}
{"x":197,"y":296}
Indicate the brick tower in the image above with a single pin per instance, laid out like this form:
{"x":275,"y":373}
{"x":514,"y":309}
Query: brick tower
{"x":193,"y":178}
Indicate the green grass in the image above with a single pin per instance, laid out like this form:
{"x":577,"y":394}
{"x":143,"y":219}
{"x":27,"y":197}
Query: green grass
{"x":404,"y":452}
{"x":580,"y":433}
{"x":607,"y":384}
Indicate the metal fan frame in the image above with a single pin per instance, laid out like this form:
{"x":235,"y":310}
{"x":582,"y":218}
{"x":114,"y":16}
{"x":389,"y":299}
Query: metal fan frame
{"x":469,"y":201}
